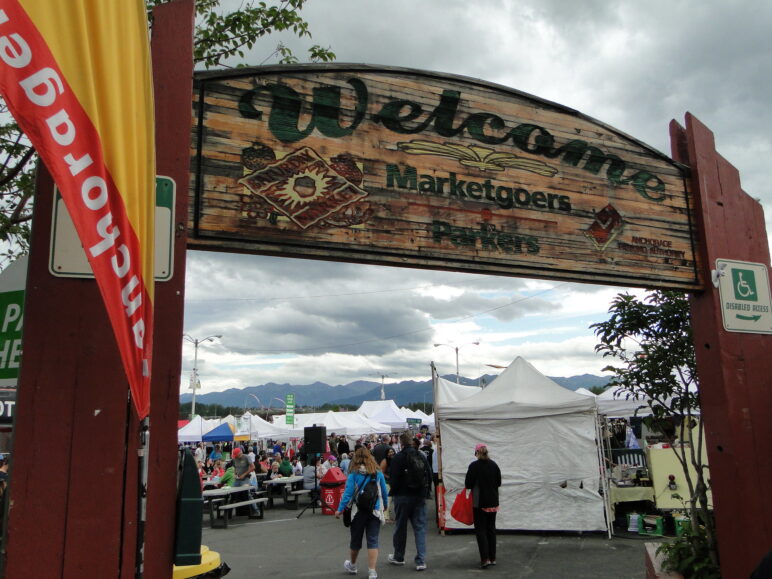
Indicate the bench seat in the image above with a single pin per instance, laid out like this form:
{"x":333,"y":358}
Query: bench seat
{"x":291,"y":498}
{"x":219,"y":513}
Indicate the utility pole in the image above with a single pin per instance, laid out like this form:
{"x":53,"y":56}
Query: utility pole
{"x":195,"y":385}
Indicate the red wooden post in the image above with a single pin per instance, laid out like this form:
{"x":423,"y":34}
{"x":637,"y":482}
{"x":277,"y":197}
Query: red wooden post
{"x":172,"y":48}
{"x":65,"y":516}
{"x":735,"y":369}
{"x":73,"y":492}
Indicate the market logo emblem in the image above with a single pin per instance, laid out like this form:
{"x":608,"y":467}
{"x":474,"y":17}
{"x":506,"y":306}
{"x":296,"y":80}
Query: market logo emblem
{"x":604,"y":229}
{"x":482,"y":158}
{"x":302,"y":187}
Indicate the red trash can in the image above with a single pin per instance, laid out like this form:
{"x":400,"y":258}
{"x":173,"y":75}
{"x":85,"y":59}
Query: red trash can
{"x":332,"y":484}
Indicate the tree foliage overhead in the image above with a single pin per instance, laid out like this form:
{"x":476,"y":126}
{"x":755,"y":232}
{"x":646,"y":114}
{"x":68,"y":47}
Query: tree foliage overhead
{"x":224,"y":31}
{"x":653,"y":340}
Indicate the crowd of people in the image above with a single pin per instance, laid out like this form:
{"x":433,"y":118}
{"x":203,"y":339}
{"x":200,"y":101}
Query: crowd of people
{"x":388,"y":479}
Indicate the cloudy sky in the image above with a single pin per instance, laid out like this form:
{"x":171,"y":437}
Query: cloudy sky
{"x":632,"y":65}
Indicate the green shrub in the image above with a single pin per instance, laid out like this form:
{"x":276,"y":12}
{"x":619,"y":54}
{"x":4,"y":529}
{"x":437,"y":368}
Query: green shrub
{"x":689,"y":555}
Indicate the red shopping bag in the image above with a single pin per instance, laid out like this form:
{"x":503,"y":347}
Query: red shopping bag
{"x":462,"y":508}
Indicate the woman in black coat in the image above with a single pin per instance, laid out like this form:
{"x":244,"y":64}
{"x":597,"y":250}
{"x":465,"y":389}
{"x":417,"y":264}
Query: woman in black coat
{"x":483,"y":477}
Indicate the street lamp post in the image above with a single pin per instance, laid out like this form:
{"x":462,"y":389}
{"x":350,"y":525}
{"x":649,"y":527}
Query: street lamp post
{"x":383,"y":390}
{"x":253,"y":396}
{"x":456,"y":348}
{"x":194,"y":385}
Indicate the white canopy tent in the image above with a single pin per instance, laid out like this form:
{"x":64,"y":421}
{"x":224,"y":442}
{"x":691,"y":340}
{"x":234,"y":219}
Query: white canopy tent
{"x":542,"y":436}
{"x":192,"y":431}
{"x":426,"y":419}
{"x":260,"y":429}
{"x":622,"y":405}
{"x":407,"y":413}
{"x":384,"y":411}
{"x":347,"y":423}
{"x":446,"y":391}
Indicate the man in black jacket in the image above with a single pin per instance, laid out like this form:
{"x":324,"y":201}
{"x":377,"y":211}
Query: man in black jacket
{"x":381,"y":449}
{"x":410,"y":489}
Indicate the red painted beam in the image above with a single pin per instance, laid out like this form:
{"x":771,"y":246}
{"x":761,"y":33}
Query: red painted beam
{"x":67,"y":485}
{"x":735,"y":369}
{"x":172,"y":50}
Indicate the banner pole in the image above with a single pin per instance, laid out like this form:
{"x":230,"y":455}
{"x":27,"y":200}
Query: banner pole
{"x":142,"y":456}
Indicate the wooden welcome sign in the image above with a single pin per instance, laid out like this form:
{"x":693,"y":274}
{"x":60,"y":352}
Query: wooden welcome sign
{"x":409,"y":168}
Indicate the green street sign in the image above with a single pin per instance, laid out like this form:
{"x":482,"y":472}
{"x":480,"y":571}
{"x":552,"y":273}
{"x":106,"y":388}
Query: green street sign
{"x":12,"y":290}
{"x":290,"y":409}
{"x":745,"y":297}
{"x":11,"y":317}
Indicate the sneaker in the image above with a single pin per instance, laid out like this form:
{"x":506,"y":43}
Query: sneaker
{"x":350,"y":567}
{"x":420,"y":566}
{"x":373,"y":574}
{"x":393,"y":561}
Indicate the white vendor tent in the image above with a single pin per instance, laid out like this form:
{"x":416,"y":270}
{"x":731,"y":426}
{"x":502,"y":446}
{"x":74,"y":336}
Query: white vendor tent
{"x":384,"y":411}
{"x":542,"y":436}
{"x":446,"y":391}
{"x":194,"y":430}
{"x":622,"y":405}
{"x":301,"y":420}
{"x":426,"y":419}
{"x":406,"y":412}
{"x":259,"y":428}
{"x":347,"y":423}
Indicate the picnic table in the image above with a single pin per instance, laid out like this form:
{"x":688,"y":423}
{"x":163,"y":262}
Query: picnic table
{"x":290,"y":489}
{"x":223,"y":503}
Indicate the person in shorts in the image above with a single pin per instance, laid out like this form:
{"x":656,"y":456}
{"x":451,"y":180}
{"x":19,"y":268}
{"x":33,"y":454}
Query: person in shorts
{"x":362,"y":470}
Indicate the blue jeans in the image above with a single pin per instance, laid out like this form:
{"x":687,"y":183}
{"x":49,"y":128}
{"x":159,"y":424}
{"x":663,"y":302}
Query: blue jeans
{"x":411,"y":509}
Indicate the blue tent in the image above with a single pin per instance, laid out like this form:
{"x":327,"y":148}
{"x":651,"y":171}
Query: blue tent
{"x":222,"y":433}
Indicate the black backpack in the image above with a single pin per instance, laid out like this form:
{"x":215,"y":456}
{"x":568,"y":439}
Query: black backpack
{"x":415,"y":470}
{"x":368,"y":496}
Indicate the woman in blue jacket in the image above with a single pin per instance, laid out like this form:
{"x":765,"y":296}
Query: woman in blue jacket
{"x":362,"y":470}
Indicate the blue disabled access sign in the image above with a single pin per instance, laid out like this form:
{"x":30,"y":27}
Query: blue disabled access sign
{"x":745,"y":297}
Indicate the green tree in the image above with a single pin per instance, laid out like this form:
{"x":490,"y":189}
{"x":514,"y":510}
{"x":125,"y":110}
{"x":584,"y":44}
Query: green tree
{"x":221,"y":34}
{"x":652,"y":339}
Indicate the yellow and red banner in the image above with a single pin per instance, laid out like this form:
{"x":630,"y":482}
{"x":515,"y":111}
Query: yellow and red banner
{"x":76,"y":76}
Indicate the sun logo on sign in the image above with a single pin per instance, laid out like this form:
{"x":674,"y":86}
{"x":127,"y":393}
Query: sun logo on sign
{"x":303,"y":188}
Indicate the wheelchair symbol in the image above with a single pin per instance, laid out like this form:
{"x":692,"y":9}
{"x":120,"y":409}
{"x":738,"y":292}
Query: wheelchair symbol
{"x":743,"y":289}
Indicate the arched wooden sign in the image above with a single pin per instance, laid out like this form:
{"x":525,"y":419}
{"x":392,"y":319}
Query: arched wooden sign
{"x":409,"y":168}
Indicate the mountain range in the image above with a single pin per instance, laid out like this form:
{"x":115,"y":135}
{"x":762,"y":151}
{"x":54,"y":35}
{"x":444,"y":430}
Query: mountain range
{"x":316,"y":394}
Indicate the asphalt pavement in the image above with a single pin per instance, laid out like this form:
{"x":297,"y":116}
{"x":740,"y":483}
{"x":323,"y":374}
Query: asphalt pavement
{"x":315,"y":545}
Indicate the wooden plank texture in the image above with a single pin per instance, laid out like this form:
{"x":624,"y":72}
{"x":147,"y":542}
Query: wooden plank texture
{"x":417,"y":169}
